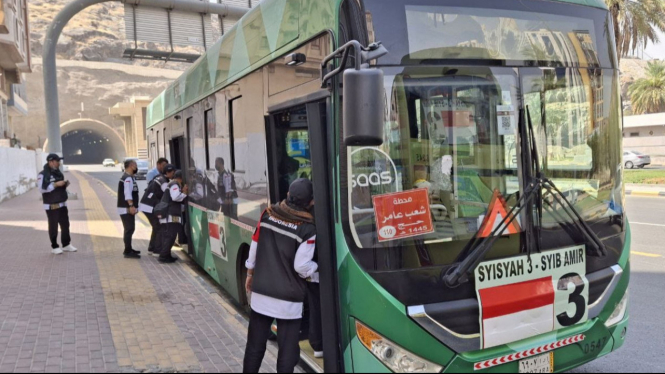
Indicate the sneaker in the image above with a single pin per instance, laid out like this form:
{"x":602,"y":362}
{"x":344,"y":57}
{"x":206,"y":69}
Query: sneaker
{"x":154,"y":254}
{"x":70,"y":248}
{"x":167,"y":260}
{"x":132,"y":255}
{"x":56,"y":251}
{"x":318,"y":354}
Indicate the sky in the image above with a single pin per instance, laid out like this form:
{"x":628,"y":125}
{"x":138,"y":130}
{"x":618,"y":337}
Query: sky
{"x":656,"y":50}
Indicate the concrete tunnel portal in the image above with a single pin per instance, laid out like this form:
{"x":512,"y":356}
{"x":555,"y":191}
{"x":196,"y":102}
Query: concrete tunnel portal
{"x":87,"y":141}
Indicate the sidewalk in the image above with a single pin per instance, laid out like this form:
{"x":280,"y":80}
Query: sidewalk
{"x":94,"y":311}
{"x":652,"y":190}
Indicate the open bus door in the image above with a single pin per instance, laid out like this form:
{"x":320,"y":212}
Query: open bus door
{"x":178,"y":157}
{"x":298,"y":147}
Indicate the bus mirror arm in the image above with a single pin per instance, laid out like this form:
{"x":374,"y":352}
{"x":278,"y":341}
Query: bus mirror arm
{"x":361,"y":57}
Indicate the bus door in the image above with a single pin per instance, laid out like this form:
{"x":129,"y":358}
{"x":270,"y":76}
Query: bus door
{"x":288,"y":150}
{"x":297,"y":143}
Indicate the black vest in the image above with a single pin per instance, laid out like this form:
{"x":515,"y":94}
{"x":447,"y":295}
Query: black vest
{"x":57,"y":196}
{"x":153,"y":194}
{"x":122,"y":203}
{"x":175,"y":207}
{"x":274,"y":274}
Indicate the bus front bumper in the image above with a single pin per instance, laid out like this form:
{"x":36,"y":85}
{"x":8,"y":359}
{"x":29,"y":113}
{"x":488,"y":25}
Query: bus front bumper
{"x":598,"y":341}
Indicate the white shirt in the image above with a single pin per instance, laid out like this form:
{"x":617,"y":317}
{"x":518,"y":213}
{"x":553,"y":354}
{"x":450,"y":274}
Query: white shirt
{"x":49,"y":189}
{"x":128,"y":190}
{"x":304,"y":265}
{"x":147,"y":208}
{"x":176,"y":196}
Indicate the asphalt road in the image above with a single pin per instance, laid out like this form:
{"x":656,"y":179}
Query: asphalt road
{"x":644,"y":351}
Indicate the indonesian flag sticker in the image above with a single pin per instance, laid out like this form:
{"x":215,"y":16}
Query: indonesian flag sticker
{"x":517,"y":311}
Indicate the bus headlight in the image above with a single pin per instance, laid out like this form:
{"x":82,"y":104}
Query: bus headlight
{"x":619,"y":312}
{"x":394,"y":357}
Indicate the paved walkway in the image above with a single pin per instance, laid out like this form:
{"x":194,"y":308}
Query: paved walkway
{"x":94,"y":311}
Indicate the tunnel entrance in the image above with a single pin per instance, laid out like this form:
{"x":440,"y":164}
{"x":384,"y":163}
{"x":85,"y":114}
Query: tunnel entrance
{"x":83,"y":147}
{"x":89,"y":141}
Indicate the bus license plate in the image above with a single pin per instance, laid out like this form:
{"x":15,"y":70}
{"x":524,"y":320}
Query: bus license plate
{"x":539,"y":364}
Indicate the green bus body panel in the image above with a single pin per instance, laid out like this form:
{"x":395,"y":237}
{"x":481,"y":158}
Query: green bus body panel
{"x":223,"y":272}
{"x":263,"y":34}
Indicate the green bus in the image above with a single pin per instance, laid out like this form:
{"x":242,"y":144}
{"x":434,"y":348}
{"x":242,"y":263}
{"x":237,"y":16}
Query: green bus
{"x":467,"y":163}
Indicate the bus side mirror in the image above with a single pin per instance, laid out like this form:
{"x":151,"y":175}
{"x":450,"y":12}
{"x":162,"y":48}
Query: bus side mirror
{"x":364,"y":94}
{"x":363,"y":107}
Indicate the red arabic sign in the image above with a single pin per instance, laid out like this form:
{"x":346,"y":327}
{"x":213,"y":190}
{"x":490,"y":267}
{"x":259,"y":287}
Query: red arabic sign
{"x":403,"y":214}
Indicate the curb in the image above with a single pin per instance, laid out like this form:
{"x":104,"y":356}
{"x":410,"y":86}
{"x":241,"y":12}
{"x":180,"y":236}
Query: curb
{"x":646,"y":193}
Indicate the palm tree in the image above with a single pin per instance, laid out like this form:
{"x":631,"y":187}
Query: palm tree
{"x":648,"y":94}
{"x":636,"y":22}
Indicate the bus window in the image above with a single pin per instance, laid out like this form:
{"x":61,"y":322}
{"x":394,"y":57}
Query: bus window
{"x":247,"y":151}
{"x":292,"y":159}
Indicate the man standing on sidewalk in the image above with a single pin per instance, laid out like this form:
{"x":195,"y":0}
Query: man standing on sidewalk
{"x":151,"y":197}
{"x":280,"y":259}
{"x":53,"y":186}
{"x":128,"y":195}
{"x":172,"y":222}
{"x":157,"y":171}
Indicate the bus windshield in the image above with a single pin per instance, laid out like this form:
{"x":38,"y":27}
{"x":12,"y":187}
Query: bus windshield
{"x":513,"y":32}
{"x":452,"y":130}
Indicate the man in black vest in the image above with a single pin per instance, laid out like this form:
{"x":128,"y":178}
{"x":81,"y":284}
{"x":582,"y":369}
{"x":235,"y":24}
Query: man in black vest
{"x":172,"y":223}
{"x":128,"y":197}
{"x":151,"y":197}
{"x":53,"y":186}
{"x":280,"y":264}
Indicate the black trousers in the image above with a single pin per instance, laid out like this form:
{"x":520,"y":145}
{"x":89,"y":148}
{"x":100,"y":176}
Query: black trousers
{"x":157,"y":235}
{"x":315,"y":323}
{"x":129,"y":223}
{"x":288,"y":332}
{"x":170,"y":232}
{"x":58,"y":217}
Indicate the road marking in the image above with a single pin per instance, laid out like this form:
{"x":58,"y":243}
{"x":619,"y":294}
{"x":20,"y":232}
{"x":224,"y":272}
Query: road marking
{"x":652,"y":255}
{"x":646,"y":224}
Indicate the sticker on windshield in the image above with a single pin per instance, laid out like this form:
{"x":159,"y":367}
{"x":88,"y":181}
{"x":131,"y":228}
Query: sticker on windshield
{"x":506,"y":119}
{"x":520,"y":299}
{"x":403,"y":214}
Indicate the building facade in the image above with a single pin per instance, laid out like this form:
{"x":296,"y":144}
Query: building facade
{"x":646,"y":134}
{"x":133,"y":114}
{"x":15,"y":62}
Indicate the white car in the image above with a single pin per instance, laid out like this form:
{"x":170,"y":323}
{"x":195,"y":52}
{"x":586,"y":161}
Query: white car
{"x":633,"y":159}
{"x":108,"y":163}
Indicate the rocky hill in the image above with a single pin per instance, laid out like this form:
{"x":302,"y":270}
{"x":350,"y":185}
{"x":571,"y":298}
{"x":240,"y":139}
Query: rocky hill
{"x":95,"y":34}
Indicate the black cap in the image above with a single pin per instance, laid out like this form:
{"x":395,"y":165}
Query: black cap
{"x":301,"y":192}
{"x":178,"y":174}
{"x":169,"y":168}
{"x":54,"y":157}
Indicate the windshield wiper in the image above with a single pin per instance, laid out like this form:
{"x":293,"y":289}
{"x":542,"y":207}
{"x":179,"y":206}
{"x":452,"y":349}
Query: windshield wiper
{"x":476,"y":250}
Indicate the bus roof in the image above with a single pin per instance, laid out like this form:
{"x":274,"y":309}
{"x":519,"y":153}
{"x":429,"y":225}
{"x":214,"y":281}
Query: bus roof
{"x":263,"y":34}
